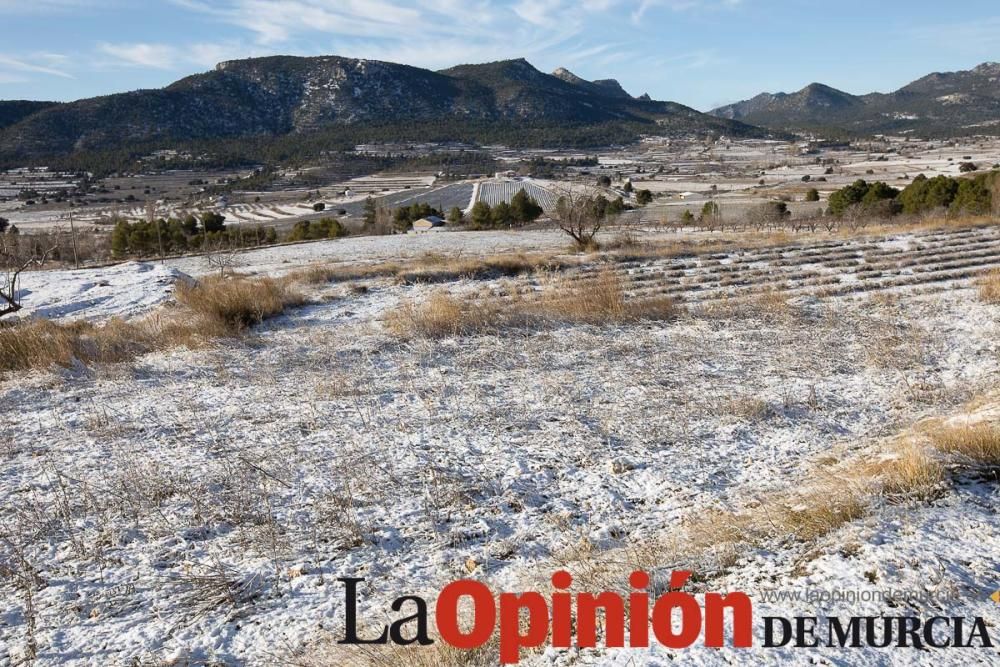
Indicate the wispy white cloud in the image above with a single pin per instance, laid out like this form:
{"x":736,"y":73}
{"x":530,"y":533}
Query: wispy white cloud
{"x":644,"y":6}
{"x":170,"y":56}
{"x":38,"y":63}
{"x":160,"y":56}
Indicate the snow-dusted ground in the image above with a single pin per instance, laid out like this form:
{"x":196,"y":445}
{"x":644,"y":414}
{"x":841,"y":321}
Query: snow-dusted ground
{"x":123,"y":290}
{"x":198,"y":505}
{"x":279,"y":259}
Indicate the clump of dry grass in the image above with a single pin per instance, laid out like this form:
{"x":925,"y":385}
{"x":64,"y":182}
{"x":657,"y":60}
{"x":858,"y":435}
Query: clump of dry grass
{"x":749,"y":408}
{"x":989,"y":287}
{"x":43,"y":343}
{"x":978,"y":443}
{"x":824,"y":507}
{"x":234,"y":305}
{"x":442,"y":315}
{"x":603,"y":301}
{"x":911,"y":472}
{"x":214,"y":308}
{"x":837,"y":494}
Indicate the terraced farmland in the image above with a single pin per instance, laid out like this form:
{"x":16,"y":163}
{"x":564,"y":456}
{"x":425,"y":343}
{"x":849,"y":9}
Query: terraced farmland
{"x":924,"y":262}
{"x":445,"y":197}
{"x":494,"y":192}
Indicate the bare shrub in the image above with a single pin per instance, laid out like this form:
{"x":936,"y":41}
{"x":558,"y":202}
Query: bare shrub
{"x":15,"y":260}
{"x":209,"y":586}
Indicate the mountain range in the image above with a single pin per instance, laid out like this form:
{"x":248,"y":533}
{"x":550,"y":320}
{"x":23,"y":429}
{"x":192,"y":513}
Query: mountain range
{"x":942,"y":104}
{"x":283,"y":95}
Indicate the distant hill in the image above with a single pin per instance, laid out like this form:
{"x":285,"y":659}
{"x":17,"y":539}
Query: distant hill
{"x":940,"y":104}
{"x":14,"y":111}
{"x":284,"y":96}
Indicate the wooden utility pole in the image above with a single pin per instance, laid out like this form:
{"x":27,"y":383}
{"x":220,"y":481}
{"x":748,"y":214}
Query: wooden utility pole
{"x":76,"y":249}
{"x":151,"y":212}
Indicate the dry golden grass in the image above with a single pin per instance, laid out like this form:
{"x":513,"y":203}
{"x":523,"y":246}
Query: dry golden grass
{"x":211,"y":309}
{"x":442,"y":315}
{"x":912,"y":472}
{"x":602,"y":302}
{"x":748,"y":408}
{"x":823,"y":507}
{"x":234,"y":305}
{"x":989,"y":287}
{"x":43,"y":343}
{"x":978,"y":444}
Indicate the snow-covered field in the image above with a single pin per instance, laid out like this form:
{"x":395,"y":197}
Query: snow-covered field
{"x":197,"y":506}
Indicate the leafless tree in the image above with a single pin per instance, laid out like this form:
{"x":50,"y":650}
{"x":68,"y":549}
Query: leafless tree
{"x":221,"y":256}
{"x":12,"y":264}
{"x":579,"y":215}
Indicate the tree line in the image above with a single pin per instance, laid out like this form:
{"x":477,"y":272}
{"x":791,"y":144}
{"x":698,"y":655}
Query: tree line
{"x":145,"y":238}
{"x":957,"y":196}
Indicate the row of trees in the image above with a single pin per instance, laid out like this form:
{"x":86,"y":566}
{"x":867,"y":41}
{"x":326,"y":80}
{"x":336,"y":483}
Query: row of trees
{"x":164,"y":236}
{"x":314,"y":230}
{"x":970,"y":196}
{"x":522,"y":209}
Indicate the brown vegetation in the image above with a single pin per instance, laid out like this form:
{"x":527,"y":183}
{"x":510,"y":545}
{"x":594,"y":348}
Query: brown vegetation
{"x":989,"y":287}
{"x":210,"y":309}
{"x":976,"y":444}
{"x":603,"y":301}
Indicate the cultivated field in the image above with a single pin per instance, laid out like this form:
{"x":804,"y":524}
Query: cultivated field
{"x":494,"y":192}
{"x":764,"y":410}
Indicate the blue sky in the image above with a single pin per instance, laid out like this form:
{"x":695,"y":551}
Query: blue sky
{"x":698,"y":52}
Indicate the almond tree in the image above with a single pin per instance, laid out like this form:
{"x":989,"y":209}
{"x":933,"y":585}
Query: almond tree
{"x":579,"y":215}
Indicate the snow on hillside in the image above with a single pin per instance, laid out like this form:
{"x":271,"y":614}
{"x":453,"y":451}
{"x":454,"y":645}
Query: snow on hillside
{"x":122,"y":290}
{"x":197,"y":506}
